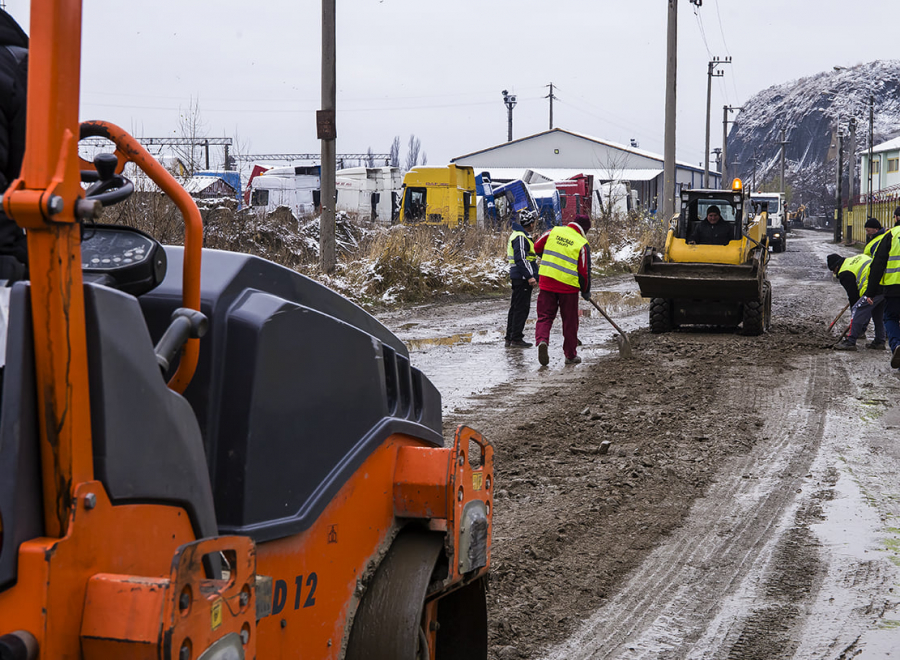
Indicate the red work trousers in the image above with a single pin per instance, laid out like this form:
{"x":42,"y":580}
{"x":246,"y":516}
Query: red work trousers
{"x":567,"y":304}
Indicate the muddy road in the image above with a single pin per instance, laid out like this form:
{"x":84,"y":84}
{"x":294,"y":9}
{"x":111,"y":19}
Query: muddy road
{"x":746,"y":506}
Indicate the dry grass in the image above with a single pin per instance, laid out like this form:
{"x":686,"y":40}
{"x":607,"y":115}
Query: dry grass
{"x":379,"y":265}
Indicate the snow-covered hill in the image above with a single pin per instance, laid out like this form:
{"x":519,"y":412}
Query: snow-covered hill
{"x":811,"y":111}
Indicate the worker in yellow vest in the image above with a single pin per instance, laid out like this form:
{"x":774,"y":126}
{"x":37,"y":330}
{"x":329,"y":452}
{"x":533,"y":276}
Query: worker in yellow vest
{"x":564,"y":272}
{"x":853,"y":275}
{"x":523,"y":272}
{"x":884,"y":279}
{"x":874,"y":233}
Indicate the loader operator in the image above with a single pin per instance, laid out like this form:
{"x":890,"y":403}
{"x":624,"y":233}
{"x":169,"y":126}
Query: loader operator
{"x":711,"y":231}
{"x":884,"y":278}
{"x":853,"y":275}
{"x":565,"y":270}
{"x":523,"y":274}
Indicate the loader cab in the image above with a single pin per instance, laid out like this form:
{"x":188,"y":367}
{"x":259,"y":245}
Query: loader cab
{"x":695,"y":206}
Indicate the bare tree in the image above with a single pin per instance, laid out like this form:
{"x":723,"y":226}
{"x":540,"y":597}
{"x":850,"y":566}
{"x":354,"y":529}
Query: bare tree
{"x":370,"y":158}
{"x":395,"y":152}
{"x":191,"y":127}
{"x":424,"y":159}
{"x":412,"y":151}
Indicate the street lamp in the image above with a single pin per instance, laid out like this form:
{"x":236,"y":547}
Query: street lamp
{"x":510,"y":101}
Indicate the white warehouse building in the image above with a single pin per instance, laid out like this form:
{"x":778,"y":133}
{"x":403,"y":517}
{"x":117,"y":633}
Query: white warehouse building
{"x":559,"y":154}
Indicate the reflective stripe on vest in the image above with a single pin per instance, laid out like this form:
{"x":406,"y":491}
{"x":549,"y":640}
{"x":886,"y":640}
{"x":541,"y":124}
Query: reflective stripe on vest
{"x":892,"y":271}
{"x":529,"y":244}
{"x":560,"y":258}
{"x":859,"y":266}
{"x":872,"y":245}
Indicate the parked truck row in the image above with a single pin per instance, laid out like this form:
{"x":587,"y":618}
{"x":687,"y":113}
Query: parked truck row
{"x":450,"y":195}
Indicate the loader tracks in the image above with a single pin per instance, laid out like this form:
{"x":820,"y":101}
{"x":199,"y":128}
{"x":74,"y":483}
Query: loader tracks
{"x":671,"y":606}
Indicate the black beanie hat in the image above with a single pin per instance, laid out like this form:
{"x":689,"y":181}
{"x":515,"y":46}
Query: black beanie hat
{"x":872,"y":223}
{"x":712,"y":209}
{"x":897,"y":211}
{"x":834,"y":261}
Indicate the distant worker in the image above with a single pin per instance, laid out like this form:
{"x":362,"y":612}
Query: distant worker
{"x":712,"y":230}
{"x":565,"y":271}
{"x":523,"y":272}
{"x":853,"y":275}
{"x":874,"y":233}
{"x":13,"y":108}
{"x":884,"y":279}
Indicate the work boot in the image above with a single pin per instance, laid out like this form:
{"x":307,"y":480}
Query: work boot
{"x":519,"y":343}
{"x":543,"y":354}
{"x":573,"y":360}
{"x":877,"y":345}
{"x":895,"y":358}
{"x":844,"y":345}
{"x":506,"y":343}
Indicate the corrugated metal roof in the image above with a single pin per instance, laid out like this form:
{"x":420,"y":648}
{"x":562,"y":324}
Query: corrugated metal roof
{"x":583,"y":136}
{"x":890,"y":145}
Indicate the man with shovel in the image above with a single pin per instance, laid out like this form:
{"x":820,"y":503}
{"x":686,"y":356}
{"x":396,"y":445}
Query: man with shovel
{"x":564,"y":272}
{"x":853,"y":274}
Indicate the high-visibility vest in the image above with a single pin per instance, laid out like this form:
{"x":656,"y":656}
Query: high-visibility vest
{"x":560,"y":258}
{"x":529,"y":245}
{"x":872,"y":245}
{"x":892,"y":271}
{"x":859,"y":266}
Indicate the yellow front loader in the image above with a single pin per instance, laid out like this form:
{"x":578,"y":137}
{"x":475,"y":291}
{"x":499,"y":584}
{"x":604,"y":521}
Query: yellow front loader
{"x":692,"y":283}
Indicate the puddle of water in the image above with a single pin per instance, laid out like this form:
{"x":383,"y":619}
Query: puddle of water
{"x":476,"y":337}
{"x":851,"y":526}
{"x":615,"y":302}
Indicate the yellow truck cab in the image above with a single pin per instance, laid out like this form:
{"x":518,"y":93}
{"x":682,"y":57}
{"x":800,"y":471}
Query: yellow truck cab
{"x":439,"y":196}
{"x":697,"y":283}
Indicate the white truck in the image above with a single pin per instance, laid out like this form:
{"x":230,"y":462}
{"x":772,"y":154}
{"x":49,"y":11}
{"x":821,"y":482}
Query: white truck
{"x":773,"y":205}
{"x":373,"y":193}
{"x":295,"y":187}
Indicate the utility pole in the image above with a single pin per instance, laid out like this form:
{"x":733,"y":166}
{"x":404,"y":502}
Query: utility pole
{"x":871,"y":147}
{"x":668,"y":208}
{"x":783,"y":142}
{"x":551,"y":97}
{"x":510,"y":101}
{"x":725,"y":110}
{"x":852,"y":156}
{"x":326,"y":128}
{"x":711,"y":73}
{"x":839,"y":211}
{"x":717,"y":152}
{"x":753,"y":180}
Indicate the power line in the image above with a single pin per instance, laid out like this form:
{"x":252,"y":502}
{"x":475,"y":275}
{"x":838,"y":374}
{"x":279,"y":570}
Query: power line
{"x":702,"y":31}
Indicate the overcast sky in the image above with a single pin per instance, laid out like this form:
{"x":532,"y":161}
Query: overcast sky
{"x":437,"y":69}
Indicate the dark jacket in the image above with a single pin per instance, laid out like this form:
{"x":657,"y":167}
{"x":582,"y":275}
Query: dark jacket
{"x":876,"y":271}
{"x":706,"y":233}
{"x":522,"y":269}
{"x":848,"y":281}
{"x":13,"y":83}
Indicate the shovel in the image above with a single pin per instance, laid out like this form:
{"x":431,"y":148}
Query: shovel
{"x":624,"y":344}
{"x":838,"y":317}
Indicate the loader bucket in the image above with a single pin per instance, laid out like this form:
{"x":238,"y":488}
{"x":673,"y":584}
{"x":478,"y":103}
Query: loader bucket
{"x":691,"y":281}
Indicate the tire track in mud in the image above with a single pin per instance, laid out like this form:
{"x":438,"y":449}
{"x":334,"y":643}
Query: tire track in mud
{"x":668,"y":603}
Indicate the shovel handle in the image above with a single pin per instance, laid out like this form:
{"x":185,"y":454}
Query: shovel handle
{"x":606,"y":316}
{"x":838,"y":317}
